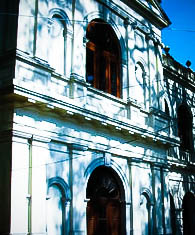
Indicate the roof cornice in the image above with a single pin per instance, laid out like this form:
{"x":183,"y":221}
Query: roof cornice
{"x":155,"y":14}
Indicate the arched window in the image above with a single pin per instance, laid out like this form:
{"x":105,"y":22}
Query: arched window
{"x":185,"y":128}
{"x":57,"y":48}
{"x":103,"y":58}
{"x":106,"y":206}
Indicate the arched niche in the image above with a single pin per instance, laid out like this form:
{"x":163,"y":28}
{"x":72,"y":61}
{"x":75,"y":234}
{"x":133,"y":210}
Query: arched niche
{"x":59,"y":31}
{"x":146,"y":207}
{"x":58,"y":204}
{"x":140,"y":84}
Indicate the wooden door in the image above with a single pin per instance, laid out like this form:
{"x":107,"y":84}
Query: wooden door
{"x":104,"y":217}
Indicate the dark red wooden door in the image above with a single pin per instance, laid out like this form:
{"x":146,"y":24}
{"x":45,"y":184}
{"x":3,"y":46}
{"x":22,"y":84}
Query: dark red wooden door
{"x":104,"y":217}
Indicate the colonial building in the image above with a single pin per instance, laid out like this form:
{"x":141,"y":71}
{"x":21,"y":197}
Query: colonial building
{"x":96,"y":121}
{"x":179,"y":89}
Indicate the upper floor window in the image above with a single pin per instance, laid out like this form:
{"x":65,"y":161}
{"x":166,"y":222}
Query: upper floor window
{"x":103,"y":58}
{"x":57,"y":34}
{"x":185,"y":127}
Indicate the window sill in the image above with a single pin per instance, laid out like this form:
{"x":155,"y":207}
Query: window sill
{"x":106,"y":95}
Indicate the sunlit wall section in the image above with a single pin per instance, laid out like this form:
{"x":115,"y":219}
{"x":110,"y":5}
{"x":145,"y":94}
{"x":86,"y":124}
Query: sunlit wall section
{"x":26,"y":40}
{"x":44,"y":32}
{"x":54,"y":211}
{"x":39,"y":156}
{"x":57,"y":44}
{"x":20,"y":186}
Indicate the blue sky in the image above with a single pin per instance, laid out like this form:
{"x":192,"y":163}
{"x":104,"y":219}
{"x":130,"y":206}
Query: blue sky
{"x":180,"y":35}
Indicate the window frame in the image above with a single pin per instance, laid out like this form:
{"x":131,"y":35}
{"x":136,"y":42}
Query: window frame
{"x":110,"y":57}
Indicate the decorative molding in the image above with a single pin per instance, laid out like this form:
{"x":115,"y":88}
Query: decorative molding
{"x":147,"y":192}
{"x":107,"y":158}
{"x":31,"y":137}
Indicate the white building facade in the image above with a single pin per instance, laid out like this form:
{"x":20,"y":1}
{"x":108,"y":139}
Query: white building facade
{"x":92,"y":113}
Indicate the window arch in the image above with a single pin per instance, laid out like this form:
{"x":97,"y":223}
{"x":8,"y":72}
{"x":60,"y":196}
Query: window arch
{"x":57,"y":37}
{"x":184,"y":118}
{"x":103,"y":58}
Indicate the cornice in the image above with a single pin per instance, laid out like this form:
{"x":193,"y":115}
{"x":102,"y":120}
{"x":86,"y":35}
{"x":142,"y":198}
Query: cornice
{"x":70,"y":107}
{"x":30,"y":137}
{"x":146,"y":12}
{"x":126,"y":16}
{"x":181,"y":166}
{"x":32,"y":60}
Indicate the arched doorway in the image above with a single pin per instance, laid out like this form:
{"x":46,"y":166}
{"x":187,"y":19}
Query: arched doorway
{"x":106,"y":206}
{"x":188,"y":214}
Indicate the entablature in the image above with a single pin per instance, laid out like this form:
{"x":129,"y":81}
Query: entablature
{"x":69,"y":108}
{"x":151,"y":10}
